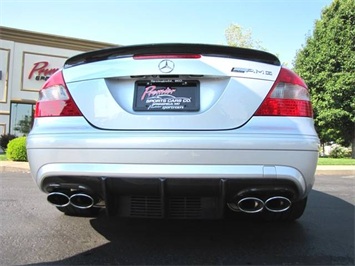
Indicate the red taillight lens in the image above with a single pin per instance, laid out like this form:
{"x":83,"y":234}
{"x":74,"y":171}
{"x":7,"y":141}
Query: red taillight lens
{"x":55,"y":100}
{"x":288,"y":97}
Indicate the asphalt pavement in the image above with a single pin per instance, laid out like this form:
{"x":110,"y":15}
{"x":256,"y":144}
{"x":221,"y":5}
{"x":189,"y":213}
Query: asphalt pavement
{"x":33,"y":232}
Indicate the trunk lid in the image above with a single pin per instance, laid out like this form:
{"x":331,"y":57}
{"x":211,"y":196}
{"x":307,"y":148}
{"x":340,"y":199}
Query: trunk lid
{"x":170,"y":86}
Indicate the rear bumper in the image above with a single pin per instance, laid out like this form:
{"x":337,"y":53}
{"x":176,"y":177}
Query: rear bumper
{"x":202,"y":196}
{"x":217,"y":157}
{"x":184,"y":174}
{"x":214,"y":157}
{"x":160,"y":167}
{"x":174,"y":191}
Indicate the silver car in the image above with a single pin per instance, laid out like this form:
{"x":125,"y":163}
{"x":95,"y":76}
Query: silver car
{"x":175,"y":131}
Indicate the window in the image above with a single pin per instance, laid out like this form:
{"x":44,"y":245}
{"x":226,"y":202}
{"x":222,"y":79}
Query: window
{"x":21,"y":118}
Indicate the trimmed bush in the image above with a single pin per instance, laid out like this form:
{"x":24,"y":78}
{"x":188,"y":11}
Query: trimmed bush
{"x":16,"y":150}
{"x":5,"y":139}
{"x":340,"y":152}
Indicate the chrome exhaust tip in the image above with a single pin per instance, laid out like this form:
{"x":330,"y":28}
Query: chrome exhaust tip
{"x":277,"y":204}
{"x":82,"y":201}
{"x":250,"y":205}
{"x":58,"y":199}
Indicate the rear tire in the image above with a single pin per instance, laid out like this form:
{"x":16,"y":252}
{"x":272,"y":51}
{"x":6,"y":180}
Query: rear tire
{"x":72,"y":211}
{"x":293,"y":213}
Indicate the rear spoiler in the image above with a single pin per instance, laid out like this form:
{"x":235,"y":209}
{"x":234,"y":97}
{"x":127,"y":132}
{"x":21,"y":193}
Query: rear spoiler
{"x":154,"y":49}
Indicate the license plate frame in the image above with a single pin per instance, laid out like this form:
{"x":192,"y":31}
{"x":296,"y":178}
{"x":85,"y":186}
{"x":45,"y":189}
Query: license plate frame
{"x":167,"y":96}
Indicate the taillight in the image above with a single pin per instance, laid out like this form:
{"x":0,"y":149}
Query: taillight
{"x":55,"y":100}
{"x":166,"y":56}
{"x":288,"y":97}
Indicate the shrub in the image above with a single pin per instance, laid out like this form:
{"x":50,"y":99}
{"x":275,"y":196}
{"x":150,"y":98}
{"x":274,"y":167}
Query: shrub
{"x":340,"y":152}
{"x":16,"y":149}
{"x":5,"y":139}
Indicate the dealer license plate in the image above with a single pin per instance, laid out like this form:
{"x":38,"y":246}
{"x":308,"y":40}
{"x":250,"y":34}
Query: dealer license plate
{"x":171,"y":95}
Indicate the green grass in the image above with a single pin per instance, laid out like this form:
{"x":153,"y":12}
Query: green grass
{"x":3,"y":157}
{"x":333,"y":161}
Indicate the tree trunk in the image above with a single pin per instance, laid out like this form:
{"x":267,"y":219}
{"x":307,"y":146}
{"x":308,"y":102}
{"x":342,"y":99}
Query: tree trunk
{"x":353,"y":147}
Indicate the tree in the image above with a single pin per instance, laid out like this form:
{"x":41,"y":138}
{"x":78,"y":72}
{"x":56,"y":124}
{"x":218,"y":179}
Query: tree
{"x":327,"y":64}
{"x":24,"y":125}
{"x":237,"y":36}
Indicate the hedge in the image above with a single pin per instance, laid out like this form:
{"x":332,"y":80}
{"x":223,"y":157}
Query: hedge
{"x":16,"y":149}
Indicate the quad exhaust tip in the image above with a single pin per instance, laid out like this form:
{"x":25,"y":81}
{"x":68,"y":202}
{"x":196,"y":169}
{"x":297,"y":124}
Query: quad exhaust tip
{"x":78,"y":200}
{"x":255,"y":205}
{"x":250,"y":205}
{"x":58,"y":199}
{"x":277,"y":204}
{"x":82,"y":201}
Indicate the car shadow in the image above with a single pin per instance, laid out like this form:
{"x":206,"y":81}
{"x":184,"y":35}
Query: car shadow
{"x":324,"y":235}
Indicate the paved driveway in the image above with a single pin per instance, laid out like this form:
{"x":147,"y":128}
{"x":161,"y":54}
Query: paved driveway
{"x":34,"y":232}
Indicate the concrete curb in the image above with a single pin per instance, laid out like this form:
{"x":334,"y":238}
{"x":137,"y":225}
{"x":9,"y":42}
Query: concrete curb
{"x":14,"y":166}
{"x":321,"y":169}
{"x":335,"y":170}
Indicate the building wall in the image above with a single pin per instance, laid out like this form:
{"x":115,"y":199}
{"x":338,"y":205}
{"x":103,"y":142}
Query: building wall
{"x":5,"y":64}
{"x":27,"y":59}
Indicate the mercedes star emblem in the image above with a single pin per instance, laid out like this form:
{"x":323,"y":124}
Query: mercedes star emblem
{"x":166,"y":66}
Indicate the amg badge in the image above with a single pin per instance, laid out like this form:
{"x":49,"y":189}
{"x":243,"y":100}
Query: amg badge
{"x":251,"y":70}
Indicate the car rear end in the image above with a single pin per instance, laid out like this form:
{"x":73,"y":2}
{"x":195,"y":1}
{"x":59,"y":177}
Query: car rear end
{"x":176,"y":131}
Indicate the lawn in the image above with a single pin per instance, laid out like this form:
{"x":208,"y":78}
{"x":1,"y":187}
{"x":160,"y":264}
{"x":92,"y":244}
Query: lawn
{"x":333,"y":161}
{"x":3,"y":157}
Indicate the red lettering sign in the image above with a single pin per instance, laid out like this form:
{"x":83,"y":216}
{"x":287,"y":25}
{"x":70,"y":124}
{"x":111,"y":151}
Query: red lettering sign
{"x":40,"y":68}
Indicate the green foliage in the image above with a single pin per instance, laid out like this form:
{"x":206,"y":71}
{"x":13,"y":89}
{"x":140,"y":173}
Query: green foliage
{"x":237,"y":36}
{"x":340,"y":152}
{"x":24,"y":125}
{"x":16,"y":149}
{"x":327,"y":64}
{"x":5,"y":139}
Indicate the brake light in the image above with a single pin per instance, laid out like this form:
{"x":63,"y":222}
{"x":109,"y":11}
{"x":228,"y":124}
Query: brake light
{"x":166,"y":56}
{"x":55,"y":99}
{"x":288,"y":97}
